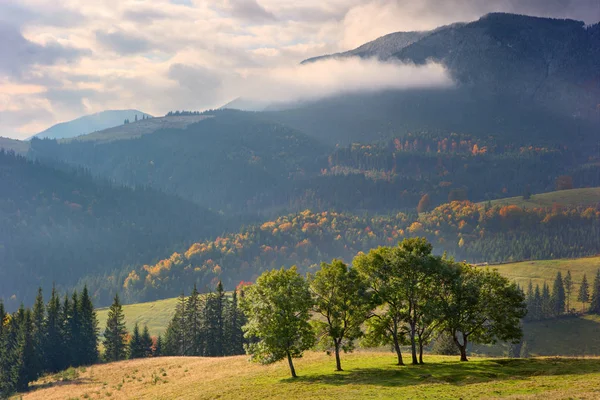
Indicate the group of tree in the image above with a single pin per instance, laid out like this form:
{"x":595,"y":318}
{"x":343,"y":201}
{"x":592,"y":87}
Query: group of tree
{"x":401,"y":294}
{"x":545,"y":303}
{"x":46,"y":339}
{"x":182,"y":113}
{"x":206,"y":325}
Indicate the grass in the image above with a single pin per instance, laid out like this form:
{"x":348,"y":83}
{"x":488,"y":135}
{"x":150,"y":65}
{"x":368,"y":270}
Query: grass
{"x":573,"y":197}
{"x":366,"y":375}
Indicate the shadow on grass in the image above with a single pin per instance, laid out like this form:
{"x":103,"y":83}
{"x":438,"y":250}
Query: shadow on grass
{"x":455,"y":373}
{"x":45,"y":385}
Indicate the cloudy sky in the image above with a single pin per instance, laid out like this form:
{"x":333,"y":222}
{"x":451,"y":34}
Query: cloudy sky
{"x":63,"y":59}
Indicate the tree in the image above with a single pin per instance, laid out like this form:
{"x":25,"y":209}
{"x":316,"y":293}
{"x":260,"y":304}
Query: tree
{"x":595,"y":301}
{"x":214,"y":312}
{"x":54,"y":344}
{"x":234,"y":321}
{"x":39,"y":333}
{"x":146,"y":342}
{"x":278,"y":310}
{"x":584,"y":293}
{"x":194,"y":309}
{"x":424,"y":204}
{"x":340,"y":296}
{"x":546,"y":302}
{"x":89,"y":329}
{"x":176,"y":336}
{"x":558,"y":296}
{"x":386,"y":324}
{"x":115,"y":334}
{"x":136,"y":349}
{"x":158,"y":349}
{"x":480,"y":306}
{"x":564,"y":182}
{"x":568,"y":282}
{"x":74,"y":326}
{"x":26,"y":349}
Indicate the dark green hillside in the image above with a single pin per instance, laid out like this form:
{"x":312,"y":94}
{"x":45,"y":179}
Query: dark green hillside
{"x":60,"y":226}
{"x":234,"y":162}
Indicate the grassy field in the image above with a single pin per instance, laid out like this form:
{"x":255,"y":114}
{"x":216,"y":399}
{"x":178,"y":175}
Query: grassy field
{"x":366,"y":375}
{"x":155,"y":314}
{"x":573,"y":197}
{"x":545,"y":271}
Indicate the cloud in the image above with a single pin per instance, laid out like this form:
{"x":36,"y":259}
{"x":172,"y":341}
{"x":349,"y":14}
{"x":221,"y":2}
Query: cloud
{"x":333,"y":77}
{"x":249,"y":10}
{"x":123,"y":43}
{"x":17,"y":54}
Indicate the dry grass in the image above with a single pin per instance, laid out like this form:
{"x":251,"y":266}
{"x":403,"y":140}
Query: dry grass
{"x":366,"y":375}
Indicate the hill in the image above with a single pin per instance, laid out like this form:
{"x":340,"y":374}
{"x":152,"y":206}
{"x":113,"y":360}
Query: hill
{"x":58,"y":225}
{"x":583,"y":197}
{"x":18,"y":146}
{"x":90,"y":123}
{"x":366,"y":375}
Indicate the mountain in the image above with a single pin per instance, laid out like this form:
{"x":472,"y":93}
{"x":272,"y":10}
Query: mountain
{"x":91,"y":123}
{"x":231,"y":161}
{"x":58,"y":225}
{"x":18,"y":146}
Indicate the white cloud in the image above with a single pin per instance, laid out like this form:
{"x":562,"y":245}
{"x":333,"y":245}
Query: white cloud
{"x":87,"y":56}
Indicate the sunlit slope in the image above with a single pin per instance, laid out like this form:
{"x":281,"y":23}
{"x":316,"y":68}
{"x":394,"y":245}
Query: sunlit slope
{"x":155,"y":314}
{"x":572,"y":197}
{"x":366,"y":375}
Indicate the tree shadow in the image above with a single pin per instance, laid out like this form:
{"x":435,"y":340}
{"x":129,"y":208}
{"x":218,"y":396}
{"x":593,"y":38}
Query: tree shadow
{"x":454,"y":373}
{"x":45,"y":385}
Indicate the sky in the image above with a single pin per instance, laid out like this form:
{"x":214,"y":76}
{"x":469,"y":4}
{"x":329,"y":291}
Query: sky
{"x":63,"y":59}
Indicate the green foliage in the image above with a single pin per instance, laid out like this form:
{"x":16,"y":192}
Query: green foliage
{"x":115,"y":334}
{"x":278,"y":310}
{"x":584,"y":292}
{"x":341,"y":298}
{"x":595,"y":299}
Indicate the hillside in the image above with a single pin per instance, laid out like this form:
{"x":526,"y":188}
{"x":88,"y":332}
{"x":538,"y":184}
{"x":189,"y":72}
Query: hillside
{"x":18,"y":146}
{"x":59,"y":225}
{"x":574,"y":197}
{"x":366,"y":375}
{"x":90,"y":123}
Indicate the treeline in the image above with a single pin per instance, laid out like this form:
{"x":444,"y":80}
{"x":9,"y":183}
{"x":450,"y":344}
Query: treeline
{"x":182,"y":113}
{"x":46,"y":339}
{"x":465,"y":230}
{"x":61,"y":225}
{"x":401,"y":294}
{"x":544,"y":303}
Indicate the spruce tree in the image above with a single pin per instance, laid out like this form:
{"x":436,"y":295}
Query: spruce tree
{"x":135,"y":343}
{"x":537,"y":304}
{"x":584,"y":293}
{"x":89,"y":329}
{"x":547,"y":309}
{"x":74,"y":325}
{"x":53,"y":346}
{"x":214,"y":309}
{"x":146,"y":342}
{"x":195,"y":324}
{"x":27,"y":363}
{"x":234,"y":335}
{"x":158,"y":350}
{"x":558,"y":296}
{"x":595,"y":302}
{"x":115,"y":334}
{"x":39,"y":332}
{"x":568,"y":281}
{"x":10,"y":363}
{"x":65,"y":325}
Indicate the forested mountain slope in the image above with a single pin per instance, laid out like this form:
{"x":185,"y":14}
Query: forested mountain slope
{"x":58,"y":226}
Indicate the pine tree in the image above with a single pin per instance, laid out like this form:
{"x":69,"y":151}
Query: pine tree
{"x":27,"y":371}
{"x":584,"y":293}
{"x":558,"y":296}
{"x":595,"y":302}
{"x":75,"y":332}
{"x":546,"y":302}
{"x":182,"y":337}
{"x":568,"y":282}
{"x":234,"y":335}
{"x":175,"y":340}
{"x":158,"y":350}
{"x":89,"y":329}
{"x":8,"y":379}
{"x":66,"y":318}
{"x":195,"y":324}
{"x":53,"y":346}
{"x":115,"y":333}
{"x":135,"y":343}
{"x":10,"y":363}
{"x":39,"y":332}
{"x":146,"y":342}
{"x":214,"y":322}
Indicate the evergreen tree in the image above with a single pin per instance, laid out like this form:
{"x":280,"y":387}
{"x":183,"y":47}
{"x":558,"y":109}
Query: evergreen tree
{"x":234,"y":321}
{"x":214,"y":322}
{"x":28,"y":360}
{"x":568,"y":282}
{"x":584,"y":293}
{"x":175,"y":341}
{"x":66,"y":318}
{"x":136,"y":349}
{"x":74,"y":325}
{"x":537,"y":304}
{"x":558,"y":296}
{"x":158,"y":350}
{"x":595,"y":302}
{"x":115,"y":334}
{"x":89,"y":329}
{"x":194,"y":322}
{"x":54,"y":345}
{"x":146,"y":342}
{"x":7,"y":377}
{"x":547,"y":310}
{"x":10,"y":363}
{"x":39,"y":333}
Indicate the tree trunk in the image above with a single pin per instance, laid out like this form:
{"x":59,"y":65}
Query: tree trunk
{"x":421,"y":352}
{"x":338,"y":363}
{"x":398,"y":351}
{"x":462,"y":347}
{"x":292,"y":370}
{"x":413,"y":345}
